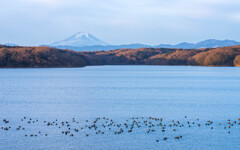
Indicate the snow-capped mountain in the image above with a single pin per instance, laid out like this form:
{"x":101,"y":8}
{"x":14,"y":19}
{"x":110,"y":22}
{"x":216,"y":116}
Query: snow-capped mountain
{"x":79,"y":40}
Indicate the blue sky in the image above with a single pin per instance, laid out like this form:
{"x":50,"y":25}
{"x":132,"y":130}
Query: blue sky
{"x":35,"y":22}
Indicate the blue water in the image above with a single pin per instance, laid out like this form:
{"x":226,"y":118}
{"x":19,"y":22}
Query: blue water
{"x":119,"y":93}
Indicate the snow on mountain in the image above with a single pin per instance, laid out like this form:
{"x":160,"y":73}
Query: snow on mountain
{"x":79,"y":40}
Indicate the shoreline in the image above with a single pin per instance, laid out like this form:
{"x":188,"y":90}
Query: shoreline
{"x":47,"y":57}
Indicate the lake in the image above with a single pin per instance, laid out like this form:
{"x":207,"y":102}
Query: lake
{"x":179,"y":93}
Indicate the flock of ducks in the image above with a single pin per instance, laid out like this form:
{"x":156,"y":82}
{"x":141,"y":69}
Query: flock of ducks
{"x":102,"y":125}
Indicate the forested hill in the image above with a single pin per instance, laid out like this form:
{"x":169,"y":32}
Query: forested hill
{"x":44,"y":57}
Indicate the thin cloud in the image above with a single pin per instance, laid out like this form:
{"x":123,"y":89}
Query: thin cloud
{"x":171,"y":21}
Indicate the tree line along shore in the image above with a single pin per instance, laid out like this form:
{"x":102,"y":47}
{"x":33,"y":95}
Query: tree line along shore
{"x":47,"y":57}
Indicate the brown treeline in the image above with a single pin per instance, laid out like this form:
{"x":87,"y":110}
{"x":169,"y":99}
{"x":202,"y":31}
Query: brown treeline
{"x":44,"y":57}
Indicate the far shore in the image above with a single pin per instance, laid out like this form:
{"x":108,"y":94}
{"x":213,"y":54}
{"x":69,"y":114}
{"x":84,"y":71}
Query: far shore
{"x":47,"y":57}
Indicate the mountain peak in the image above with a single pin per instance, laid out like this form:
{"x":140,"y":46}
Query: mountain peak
{"x":80,"y":39}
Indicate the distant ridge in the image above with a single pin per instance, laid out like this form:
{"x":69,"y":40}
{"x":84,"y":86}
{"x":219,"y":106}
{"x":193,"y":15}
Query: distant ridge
{"x":211,"y":43}
{"x":104,"y":47}
{"x":83,"y":41}
{"x":10,"y":44}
